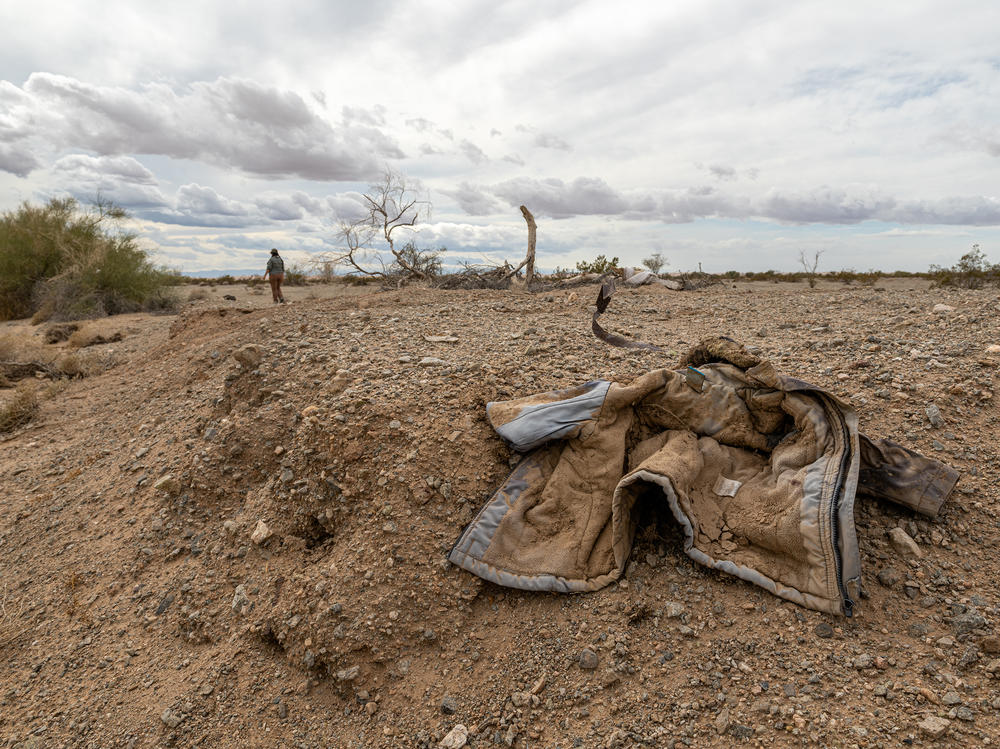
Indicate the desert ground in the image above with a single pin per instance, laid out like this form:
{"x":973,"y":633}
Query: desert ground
{"x":235,"y":533}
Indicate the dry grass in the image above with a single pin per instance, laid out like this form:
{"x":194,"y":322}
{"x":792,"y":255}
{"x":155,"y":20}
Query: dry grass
{"x":22,"y":357}
{"x":198,"y":294}
{"x":19,"y":408}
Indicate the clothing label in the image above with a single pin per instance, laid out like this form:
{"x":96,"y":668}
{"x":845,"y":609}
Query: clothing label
{"x":726,"y":487}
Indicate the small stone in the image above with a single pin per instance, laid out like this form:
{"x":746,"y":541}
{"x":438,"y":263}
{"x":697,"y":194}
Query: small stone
{"x":945,"y":642}
{"x":863,"y":661}
{"x":588,"y":659}
{"x":371,"y":707}
{"x":171,"y":718}
{"x":993,"y":348}
{"x":249,"y":356}
{"x":206,"y":689}
{"x":348,"y":674}
{"x":964,"y":713}
{"x":261,"y":533}
{"x":449,"y":705}
{"x":282,"y":710}
{"x":905,"y":546}
{"x":240,"y":599}
{"x":968,"y":622}
{"x":889,"y":577}
{"x":934,"y":416}
{"x":456,"y":738}
{"x":520,"y":699}
{"x":167,"y":485}
{"x":395,"y":424}
{"x":951,"y":697}
{"x":229,"y":526}
{"x":933,"y":726}
{"x":673,"y":610}
{"x":824,"y":630}
{"x":722,"y":722}
{"x":990,"y":645}
{"x":430,"y":361}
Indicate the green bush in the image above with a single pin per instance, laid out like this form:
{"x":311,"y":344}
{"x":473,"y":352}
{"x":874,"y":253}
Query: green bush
{"x":972,"y":271}
{"x":60,"y":262}
{"x":599,"y":264}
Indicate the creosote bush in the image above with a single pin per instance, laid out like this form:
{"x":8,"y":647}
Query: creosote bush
{"x":63,"y":263}
{"x":599,"y":264}
{"x":972,"y":271}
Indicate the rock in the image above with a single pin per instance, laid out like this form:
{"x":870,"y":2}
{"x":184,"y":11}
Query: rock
{"x":673,"y":610}
{"x":889,"y":577}
{"x":171,"y":718}
{"x":241,"y":601}
{"x":943,"y":308}
{"x":863,"y":661}
{"x":933,"y":726}
{"x":993,"y":348}
{"x":952,"y":697}
{"x":722,"y":722}
{"x":249,"y":356}
{"x":456,"y":738}
{"x":993,"y":667}
{"x":905,"y":546}
{"x":990,"y":645}
{"x":934,"y":416}
{"x":520,"y":699}
{"x":449,"y":705}
{"x":824,"y":630}
{"x":430,"y":361}
{"x":167,"y":485}
{"x":348,"y":674}
{"x":261,"y":533}
{"x":963,"y":624}
{"x":588,"y":659}
{"x":371,"y":707}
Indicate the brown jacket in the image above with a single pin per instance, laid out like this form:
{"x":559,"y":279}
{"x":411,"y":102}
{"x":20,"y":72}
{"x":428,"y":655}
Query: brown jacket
{"x":759,"y":469}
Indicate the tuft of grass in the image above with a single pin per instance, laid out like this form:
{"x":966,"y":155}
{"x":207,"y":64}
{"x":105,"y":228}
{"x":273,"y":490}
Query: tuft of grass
{"x":198,"y":294}
{"x":19,"y":408}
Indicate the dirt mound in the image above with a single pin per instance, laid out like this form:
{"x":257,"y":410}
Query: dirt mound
{"x":202,"y":546}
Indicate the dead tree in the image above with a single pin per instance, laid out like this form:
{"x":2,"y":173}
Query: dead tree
{"x":389,"y":205}
{"x":529,"y":259}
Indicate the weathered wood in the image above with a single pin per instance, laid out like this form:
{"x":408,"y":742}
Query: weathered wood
{"x":529,"y":260}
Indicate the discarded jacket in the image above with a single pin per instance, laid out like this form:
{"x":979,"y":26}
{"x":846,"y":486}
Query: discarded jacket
{"x":760,"y":470}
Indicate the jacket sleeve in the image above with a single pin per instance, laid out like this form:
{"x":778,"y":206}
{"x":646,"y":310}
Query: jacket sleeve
{"x":527,"y":423}
{"x":892,"y":472}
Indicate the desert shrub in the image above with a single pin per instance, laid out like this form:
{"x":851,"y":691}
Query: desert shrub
{"x":197,"y":294}
{"x":296,"y":275}
{"x":599,"y":264}
{"x":63,"y":263}
{"x":422,"y":260}
{"x":19,"y":407}
{"x":655,"y":262}
{"x":972,"y":271}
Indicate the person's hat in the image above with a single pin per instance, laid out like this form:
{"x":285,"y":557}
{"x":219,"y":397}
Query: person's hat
{"x":274,"y":250}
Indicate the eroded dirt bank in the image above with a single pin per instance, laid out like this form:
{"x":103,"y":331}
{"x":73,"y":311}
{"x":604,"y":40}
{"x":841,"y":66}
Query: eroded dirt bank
{"x":201,"y":552}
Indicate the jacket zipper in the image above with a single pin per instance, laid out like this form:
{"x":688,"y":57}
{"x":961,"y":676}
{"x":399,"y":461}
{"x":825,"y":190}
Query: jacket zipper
{"x":846,"y":602}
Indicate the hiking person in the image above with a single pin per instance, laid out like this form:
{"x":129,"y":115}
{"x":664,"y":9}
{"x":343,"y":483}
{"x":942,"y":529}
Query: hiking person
{"x":276,"y":270}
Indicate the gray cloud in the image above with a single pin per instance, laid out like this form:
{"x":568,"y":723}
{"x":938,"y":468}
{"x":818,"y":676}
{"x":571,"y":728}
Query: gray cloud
{"x":472,"y":152}
{"x":474,"y":200}
{"x":548,"y":140}
{"x":120,"y":179}
{"x":200,"y":200}
{"x":555,"y":198}
{"x":288,"y":207}
{"x":17,"y":160}
{"x":229,"y":122}
{"x":591,"y":196}
{"x":722,"y":171}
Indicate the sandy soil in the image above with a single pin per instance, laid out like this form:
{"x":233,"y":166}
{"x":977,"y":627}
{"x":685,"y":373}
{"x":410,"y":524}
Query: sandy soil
{"x":198,"y":552}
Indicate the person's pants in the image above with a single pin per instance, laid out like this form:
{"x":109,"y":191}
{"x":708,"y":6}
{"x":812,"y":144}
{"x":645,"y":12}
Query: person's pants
{"x":276,"y":279}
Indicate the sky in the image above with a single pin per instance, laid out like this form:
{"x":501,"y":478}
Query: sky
{"x":734,"y":135}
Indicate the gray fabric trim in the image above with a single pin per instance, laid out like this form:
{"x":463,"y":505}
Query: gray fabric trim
{"x":541,"y":422}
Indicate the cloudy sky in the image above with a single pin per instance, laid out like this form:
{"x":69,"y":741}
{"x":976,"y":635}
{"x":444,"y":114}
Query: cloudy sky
{"x":734,"y":134}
